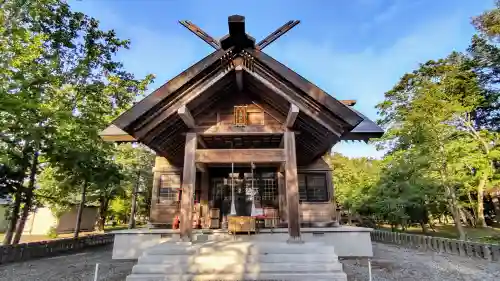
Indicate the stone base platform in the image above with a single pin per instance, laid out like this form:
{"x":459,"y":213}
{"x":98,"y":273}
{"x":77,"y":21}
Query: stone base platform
{"x":348,"y":241}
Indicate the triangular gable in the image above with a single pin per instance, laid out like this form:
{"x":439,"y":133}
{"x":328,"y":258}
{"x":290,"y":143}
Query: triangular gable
{"x":154,"y":121}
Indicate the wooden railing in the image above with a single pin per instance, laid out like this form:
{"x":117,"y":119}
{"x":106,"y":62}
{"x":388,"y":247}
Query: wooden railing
{"x":485,"y":251}
{"x":26,"y":251}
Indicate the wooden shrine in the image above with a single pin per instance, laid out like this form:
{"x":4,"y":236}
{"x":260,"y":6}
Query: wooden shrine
{"x":239,"y":132}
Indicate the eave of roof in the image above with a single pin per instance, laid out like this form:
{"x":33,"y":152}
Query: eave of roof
{"x":365,"y":130}
{"x":113,"y":133}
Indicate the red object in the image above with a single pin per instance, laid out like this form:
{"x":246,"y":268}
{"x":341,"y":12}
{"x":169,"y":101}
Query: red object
{"x":177,"y":222}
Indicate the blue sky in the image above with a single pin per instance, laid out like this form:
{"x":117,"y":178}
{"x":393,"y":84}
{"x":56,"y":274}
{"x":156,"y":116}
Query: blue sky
{"x":352,"y":49}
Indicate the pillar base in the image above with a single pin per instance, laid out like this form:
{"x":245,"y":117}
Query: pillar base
{"x":186,"y":239}
{"x":295,"y":240}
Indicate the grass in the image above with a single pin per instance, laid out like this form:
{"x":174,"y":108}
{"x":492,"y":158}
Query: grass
{"x":487,"y":235}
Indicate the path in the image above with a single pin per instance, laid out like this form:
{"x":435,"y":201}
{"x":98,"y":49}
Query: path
{"x":390,"y":264}
{"x":74,"y":267}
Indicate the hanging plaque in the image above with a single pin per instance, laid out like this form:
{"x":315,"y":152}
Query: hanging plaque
{"x":240,"y":115}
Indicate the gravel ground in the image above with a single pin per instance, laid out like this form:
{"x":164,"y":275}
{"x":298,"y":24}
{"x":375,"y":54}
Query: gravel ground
{"x":390,"y":263}
{"x":80,"y":266}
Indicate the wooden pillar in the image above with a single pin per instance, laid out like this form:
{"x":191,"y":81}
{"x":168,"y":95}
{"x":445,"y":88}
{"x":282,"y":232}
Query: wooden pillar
{"x":205,"y":185}
{"x":292,"y":187}
{"x":188,"y":185}
{"x":282,"y":197}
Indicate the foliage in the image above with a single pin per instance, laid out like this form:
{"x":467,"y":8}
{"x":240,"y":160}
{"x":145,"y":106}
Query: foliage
{"x":52,"y":233}
{"x":60,"y":85}
{"x":442,"y":141}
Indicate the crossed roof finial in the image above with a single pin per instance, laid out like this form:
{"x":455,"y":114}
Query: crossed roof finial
{"x":237,"y":36}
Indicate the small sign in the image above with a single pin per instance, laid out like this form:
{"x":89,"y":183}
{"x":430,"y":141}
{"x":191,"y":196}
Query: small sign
{"x":240,"y":116}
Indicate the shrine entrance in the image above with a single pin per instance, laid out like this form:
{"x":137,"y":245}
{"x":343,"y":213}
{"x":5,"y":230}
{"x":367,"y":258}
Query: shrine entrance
{"x":245,"y":185}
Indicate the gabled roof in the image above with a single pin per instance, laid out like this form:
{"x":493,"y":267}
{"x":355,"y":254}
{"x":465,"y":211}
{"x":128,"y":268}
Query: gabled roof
{"x":323,"y":119}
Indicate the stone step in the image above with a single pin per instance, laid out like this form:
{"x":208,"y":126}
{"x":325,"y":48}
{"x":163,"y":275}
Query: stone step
{"x":217,"y":267}
{"x":246,"y":248}
{"x":232,"y":257}
{"x":337,"y":276}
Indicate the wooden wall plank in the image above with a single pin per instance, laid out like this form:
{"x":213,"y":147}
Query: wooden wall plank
{"x":240,"y":155}
{"x":283,"y":210}
{"x":205,"y":186}
{"x":292,"y":187}
{"x":161,"y":213}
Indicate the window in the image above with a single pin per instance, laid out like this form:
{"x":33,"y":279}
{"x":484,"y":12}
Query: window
{"x":312,"y":187}
{"x":269,"y":189}
{"x":168,"y":191}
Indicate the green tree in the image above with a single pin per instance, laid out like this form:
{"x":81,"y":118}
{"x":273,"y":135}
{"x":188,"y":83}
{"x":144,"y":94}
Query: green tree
{"x":430,"y":110}
{"x":59,"y":78}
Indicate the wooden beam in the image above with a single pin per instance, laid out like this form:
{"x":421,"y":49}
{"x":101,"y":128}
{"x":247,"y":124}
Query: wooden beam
{"x":202,"y":143}
{"x":292,"y":188}
{"x":240,"y":155}
{"x":201,"y":167}
{"x":277,"y":34}
{"x":171,"y":109}
{"x":201,"y":34}
{"x":307,"y":87}
{"x":239,"y":77}
{"x":348,"y":102}
{"x":146,"y":104}
{"x":233,"y":130}
{"x":292,"y":115}
{"x":271,"y":111}
{"x":284,"y":95}
{"x":188,"y":185}
{"x":186,"y":116}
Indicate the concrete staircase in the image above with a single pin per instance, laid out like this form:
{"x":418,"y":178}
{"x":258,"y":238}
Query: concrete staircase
{"x":238,"y":260}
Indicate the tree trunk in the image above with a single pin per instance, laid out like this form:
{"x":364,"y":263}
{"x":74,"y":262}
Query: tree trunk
{"x":424,"y":228}
{"x":29,"y":200}
{"x":103,"y":210}
{"x":463,"y":217}
{"x":470,"y":217}
{"x":481,"y":222}
{"x":131,"y":222}
{"x":80,"y":210}
{"x":472,"y":204}
{"x":14,"y":216}
{"x":455,"y":211}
